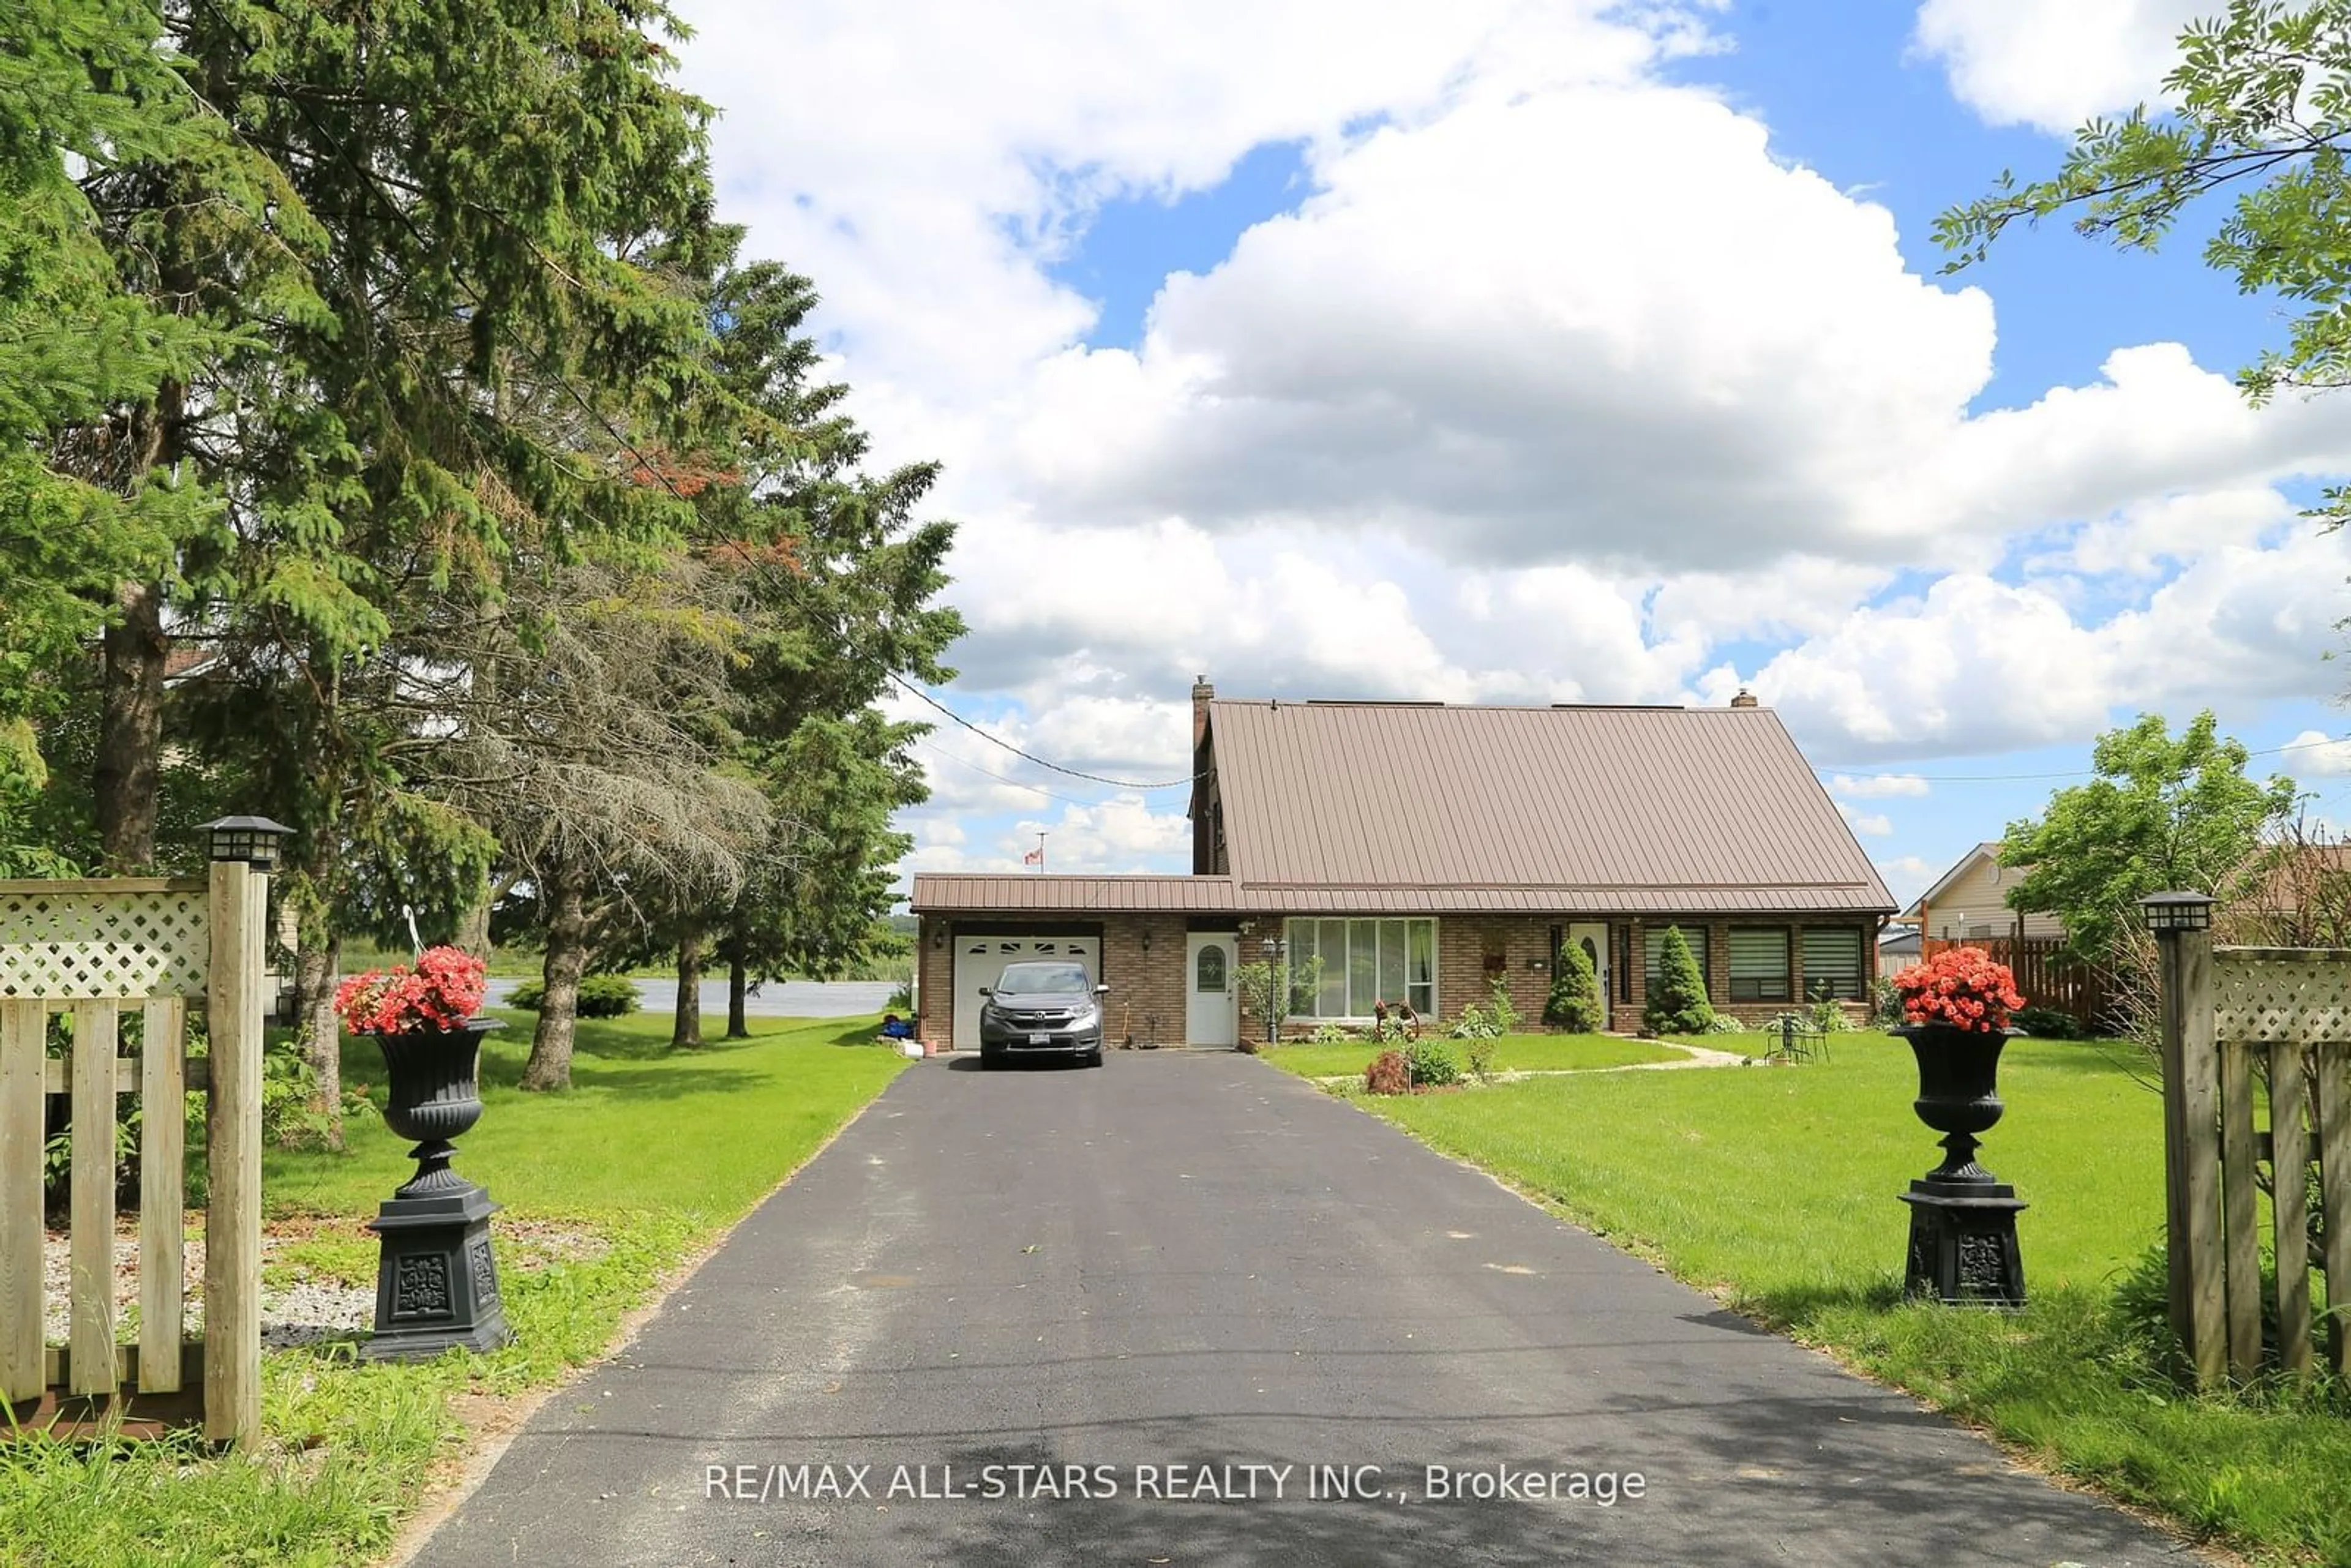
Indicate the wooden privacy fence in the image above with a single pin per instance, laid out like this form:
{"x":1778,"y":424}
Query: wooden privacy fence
{"x":101,"y":952}
{"x":2233,"y":1016}
{"x":2046,"y":977}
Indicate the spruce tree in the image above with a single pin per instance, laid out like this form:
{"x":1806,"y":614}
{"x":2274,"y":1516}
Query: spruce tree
{"x":1574,"y":1004}
{"x":1676,"y":1002}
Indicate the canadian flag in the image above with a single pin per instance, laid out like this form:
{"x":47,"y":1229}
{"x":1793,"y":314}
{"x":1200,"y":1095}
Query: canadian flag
{"x":1034,"y":857}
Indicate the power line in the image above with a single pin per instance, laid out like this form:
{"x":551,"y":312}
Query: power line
{"x":2077,"y":773}
{"x":1001,"y":778}
{"x":1032,"y":757}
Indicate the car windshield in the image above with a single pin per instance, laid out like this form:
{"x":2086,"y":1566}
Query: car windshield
{"x":1041,"y":980}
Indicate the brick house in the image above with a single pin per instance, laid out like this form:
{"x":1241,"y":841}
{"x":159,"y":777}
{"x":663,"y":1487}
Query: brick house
{"x":1422,"y":850}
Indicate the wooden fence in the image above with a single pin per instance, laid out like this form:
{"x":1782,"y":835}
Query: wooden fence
{"x":2047,"y":978}
{"x":101,"y":952}
{"x":2234,"y":1018}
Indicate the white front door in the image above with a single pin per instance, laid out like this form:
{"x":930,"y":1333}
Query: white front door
{"x":1593,"y":938}
{"x":980,"y":959}
{"x":1211,"y":1004}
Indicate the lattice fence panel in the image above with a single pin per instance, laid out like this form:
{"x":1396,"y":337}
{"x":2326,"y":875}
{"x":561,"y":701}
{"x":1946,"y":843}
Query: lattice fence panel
{"x":119,"y":941}
{"x":2281,"y":994}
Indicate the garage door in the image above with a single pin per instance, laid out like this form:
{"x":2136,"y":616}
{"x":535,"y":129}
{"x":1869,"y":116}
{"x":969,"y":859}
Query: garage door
{"x":979,"y":959}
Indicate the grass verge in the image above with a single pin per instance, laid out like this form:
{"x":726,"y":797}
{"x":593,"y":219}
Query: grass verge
{"x":1774,"y":1188}
{"x":650,"y":1155}
{"x":1513,"y":1054}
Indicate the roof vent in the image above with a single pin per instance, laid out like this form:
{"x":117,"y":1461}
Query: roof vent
{"x":1744,"y":699}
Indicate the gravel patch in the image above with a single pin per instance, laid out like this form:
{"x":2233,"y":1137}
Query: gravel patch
{"x":311,"y":1309}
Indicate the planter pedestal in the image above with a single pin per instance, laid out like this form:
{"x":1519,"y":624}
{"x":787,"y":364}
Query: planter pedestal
{"x":436,"y":1283}
{"x":1963,"y":1247}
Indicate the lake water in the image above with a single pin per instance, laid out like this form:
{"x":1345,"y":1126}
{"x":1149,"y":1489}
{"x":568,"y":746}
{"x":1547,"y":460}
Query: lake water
{"x":790,"y":998}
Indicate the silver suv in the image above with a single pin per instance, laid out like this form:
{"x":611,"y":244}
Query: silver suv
{"x":1042,"y":1008}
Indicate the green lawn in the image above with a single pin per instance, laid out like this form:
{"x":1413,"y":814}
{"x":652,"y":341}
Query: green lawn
{"x":1775,"y":1187}
{"x":648,"y":1158}
{"x":1513,"y":1052}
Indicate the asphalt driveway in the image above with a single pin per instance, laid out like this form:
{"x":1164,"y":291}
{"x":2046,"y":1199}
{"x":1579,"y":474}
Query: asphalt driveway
{"x":1179,"y":1303}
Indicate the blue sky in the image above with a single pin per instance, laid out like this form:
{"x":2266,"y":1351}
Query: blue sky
{"x":1537,"y":352}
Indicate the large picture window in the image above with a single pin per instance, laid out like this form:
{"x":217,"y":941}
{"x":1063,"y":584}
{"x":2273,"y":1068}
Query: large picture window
{"x":1653,"y":944}
{"x":1758,"y":964}
{"x":1832,"y":962}
{"x":1365,"y":962}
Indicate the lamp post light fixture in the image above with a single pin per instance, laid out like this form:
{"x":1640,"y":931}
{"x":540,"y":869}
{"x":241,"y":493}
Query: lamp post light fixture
{"x":2168,"y":914}
{"x":253,"y":840}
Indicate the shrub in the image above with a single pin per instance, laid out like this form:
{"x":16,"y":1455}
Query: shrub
{"x":1885,"y":1003}
{"x":1475,"y":1023}
{"x":1723,"y":1023}
{"x":1678,"y":1003}
{"x":2046,"y":1024}
{"x":902,"y":999}
{"x":1828,"y":1016}
{"x":1330,"y":1034}
{"x":600,"y":996}
{"x":1574,"y":1003}
{"x":1499,"y":1007}
{"x":1480,"y":1053}
{"x":1388,"y":1074}
{"x":1433,"y":1064}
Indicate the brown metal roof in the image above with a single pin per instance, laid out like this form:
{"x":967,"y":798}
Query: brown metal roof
{"x":1690,"y":811}
{"x":975,"y":891}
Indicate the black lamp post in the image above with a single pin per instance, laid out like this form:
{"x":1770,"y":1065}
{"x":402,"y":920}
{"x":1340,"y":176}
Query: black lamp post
{"x":253,"y":840}
{"x":1277,"y":982}
{"x":2182,"y":924}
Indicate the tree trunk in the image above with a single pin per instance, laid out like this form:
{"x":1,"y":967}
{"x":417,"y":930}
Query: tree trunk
{"x":738,"y":979}
{"x":474,"y":927}
{"x":549,"y":1066}
{"x":130,"y":728}
{"x":319,"y":1032}
{"x":693,"y":954}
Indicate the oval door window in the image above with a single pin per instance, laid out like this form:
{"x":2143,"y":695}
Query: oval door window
{"x":1209,"y":975}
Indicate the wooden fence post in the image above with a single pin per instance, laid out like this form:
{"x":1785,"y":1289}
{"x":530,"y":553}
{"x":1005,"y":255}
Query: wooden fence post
{"x":2191,"y":1154}
{"x":23,"y":1026}
{"x":239,"y":908}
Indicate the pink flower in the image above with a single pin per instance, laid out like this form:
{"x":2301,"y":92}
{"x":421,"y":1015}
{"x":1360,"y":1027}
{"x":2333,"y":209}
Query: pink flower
{"x":441,"y":992}
{"x":1961,"y":986}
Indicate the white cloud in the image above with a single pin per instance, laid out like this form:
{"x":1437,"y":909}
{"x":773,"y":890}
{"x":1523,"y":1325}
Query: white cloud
{"x":1869,"y":824}
{"x":1877,"y":786}
{"x":2314,"y":753}
{"x":2054,"y":63}
{"x":1488,"y":415}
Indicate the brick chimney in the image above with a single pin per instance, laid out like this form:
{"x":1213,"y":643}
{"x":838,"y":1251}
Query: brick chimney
{"x":1744,"y":699}
{"x":1203,"y":693}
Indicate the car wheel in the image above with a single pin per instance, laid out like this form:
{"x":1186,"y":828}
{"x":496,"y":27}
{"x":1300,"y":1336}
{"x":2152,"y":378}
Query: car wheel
{"x":1093,"y":1057}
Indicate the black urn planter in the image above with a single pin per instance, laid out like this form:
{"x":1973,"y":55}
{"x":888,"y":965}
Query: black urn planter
{"x":437,"y":1279}
{"x":1963,"y":1246}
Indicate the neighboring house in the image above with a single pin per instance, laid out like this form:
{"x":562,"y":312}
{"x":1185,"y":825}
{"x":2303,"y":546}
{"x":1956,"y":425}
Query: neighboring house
{"x":1897,"y":945}
{"x":1422,"y":852}
{"x":1971,"y":900}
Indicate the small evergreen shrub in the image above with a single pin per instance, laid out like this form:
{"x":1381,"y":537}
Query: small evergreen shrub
{"x":1388,"y":1074}
{"x":1434,"y":1064}
{"x":1678,"y":1003}
{"x":1574,"y":1003}
{"x":600,"y":996}
{"x":2046,"y":1024}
